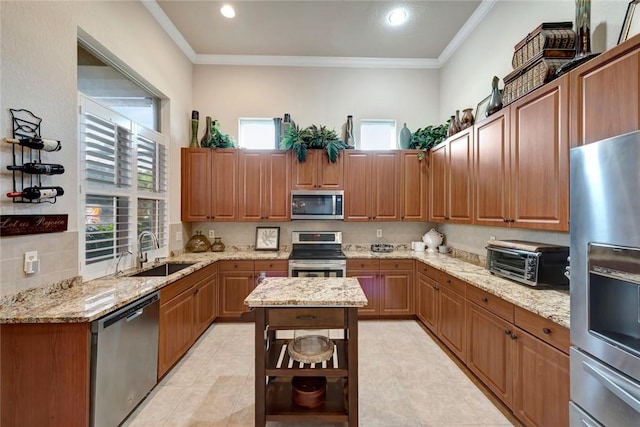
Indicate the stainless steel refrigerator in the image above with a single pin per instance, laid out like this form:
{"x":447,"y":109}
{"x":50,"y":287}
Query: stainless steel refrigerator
{"x":605,"y":283}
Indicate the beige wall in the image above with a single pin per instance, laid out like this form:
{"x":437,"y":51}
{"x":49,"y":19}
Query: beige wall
{"x":321,"y":96}
{"x":38,"y":72}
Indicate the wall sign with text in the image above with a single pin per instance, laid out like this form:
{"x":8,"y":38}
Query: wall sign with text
{"x":17,"y":225}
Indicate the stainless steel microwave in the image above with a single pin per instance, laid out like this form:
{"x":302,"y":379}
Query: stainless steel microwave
{"x":317,"y":204}
{"x":530,"y":263}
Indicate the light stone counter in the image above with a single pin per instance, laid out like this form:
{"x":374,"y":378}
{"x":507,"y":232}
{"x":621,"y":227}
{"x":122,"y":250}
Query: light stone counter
{"x":75,"y":301}
{"x":307,"y":292}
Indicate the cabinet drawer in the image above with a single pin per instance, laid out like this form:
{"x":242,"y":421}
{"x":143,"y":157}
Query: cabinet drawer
{"x":491,"y":302}
{"x":545,"y":329}
{"x":174,"y":289}
{"x":272,"y":265}
{"x":427,"y":270}
{"x":455,"y":284}
{"x":311,"y":318}
{"x":363,"y":264}
{"x":237,"y":265}
{"x":396,"y":264}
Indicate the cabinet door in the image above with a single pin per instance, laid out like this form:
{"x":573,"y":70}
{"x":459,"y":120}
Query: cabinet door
{"x":539,"y":183}
{"x":277,"y":181}
{"x":490,"y":351}
{"x":541,"y":383}
{"x":491,"y":170}
{"x":330,"y":176}
{"x":303,"y":175}
{"x":369,"y":284}
{"x":438,"y":186}
{"x":224,"y":184}
{"x":413,"y":185}
{"x":196,"y":184}
{"x":396,"y":292}
{"x":251,"y":176}
{"x":357,"y":186}
{"x":605,"y":95}
{"x":451,"y":322}
{"x":427,"y":301}
{"x":234,"y":287}
{"x":460,"y":176}
{"x":176,"y":330}
{"x":385,"y":173}
{"x":205,"y":296}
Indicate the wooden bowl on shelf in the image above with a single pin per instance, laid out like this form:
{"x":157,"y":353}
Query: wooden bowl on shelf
{"x":309,"y":392}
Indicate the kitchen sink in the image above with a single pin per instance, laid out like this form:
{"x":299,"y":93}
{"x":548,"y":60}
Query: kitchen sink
{"x":163,"y":269}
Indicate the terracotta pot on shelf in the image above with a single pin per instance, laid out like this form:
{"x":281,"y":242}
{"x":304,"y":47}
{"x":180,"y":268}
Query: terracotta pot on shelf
{"x":467,"y":118}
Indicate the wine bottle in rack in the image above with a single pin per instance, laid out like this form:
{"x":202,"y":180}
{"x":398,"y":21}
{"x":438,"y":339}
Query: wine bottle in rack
{"x":36,"y":143}
{"x":39,"y":168}
{"x":37,"y":193}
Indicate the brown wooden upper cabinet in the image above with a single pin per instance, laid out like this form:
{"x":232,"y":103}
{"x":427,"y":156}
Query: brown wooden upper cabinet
{"x":450,"y":179}
{"x":317,"y":172}
{"x":209,"y":184}
{"x":605,"y":94}
{"x":265,"y":179}
{"x":413,"y":185}
{"x":521,"y":162}
{"x":371,"y":185}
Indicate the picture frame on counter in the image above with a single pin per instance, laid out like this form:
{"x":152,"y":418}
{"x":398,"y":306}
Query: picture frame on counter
{"x":267,"y":239}
{"x":481,"y":109}
{"x":631,"y":23}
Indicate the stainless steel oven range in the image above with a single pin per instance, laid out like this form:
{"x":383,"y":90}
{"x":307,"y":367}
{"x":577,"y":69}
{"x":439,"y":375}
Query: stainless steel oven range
{"x":317,"y":254}
{"x":605,"y":283}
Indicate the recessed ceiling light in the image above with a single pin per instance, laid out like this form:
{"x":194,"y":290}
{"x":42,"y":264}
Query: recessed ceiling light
{"x":227,"y":11}
{"x":398,"y":16}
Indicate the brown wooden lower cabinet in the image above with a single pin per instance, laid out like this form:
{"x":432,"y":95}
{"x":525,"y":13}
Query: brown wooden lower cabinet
{"x":44,"y":374}
{"x":187,"y":308}
{"x":396,"y":291}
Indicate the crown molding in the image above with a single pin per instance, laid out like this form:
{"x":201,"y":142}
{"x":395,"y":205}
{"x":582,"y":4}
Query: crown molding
{"x":474,"y":20}
{"x":156,"y":11}
{"x":319,"y":61}
{"x":315,"y":61}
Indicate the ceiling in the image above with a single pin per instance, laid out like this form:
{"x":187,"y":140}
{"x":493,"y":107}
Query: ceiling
{"x":333,"y":31}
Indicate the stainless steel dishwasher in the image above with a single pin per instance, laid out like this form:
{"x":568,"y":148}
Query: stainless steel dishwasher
{"x":124,"y":360}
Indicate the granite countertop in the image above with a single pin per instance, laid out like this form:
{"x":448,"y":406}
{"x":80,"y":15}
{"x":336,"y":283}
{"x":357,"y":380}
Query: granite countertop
{"x":76,"y":301}
{"x":307,"y":292}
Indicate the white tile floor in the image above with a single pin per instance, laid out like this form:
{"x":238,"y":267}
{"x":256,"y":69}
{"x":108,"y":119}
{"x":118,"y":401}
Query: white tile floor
{"x":406,"y":380}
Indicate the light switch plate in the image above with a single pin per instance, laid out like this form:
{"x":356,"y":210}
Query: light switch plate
{"x":31,"y":262}
{"x":212,"y":234}
{"x":379,"y":232}
{"x":178,"y":236}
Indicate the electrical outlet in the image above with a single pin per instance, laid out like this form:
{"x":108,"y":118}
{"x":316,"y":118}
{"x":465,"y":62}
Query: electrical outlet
{"x":492,"y":237}
{"x":379,"y":232}
{"x":178,"y":236}
{"x":212,"y":234}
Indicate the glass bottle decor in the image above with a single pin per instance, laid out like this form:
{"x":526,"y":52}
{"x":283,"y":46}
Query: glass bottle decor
{"x":194,"y":129}
{"x":205,"y":141}
{"x":467,"y":118}
{"x":453,"y":127}
{"x":495,"y":102}
{"x":404,"y":140}
{"x":217,"y":245}
{"x":458,"y":122}
{"x":583,"y":28}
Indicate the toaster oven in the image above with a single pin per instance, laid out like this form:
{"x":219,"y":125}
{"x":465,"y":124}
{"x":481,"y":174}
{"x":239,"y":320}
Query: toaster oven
{"x":530,"y":263}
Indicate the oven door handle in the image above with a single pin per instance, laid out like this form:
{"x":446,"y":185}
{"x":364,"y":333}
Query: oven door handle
{"x":522,"y":254}
{"x":621,"y":387}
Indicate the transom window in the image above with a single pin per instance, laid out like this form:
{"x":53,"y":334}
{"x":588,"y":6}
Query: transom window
{"x":257,"y":133}
{"x":377,"y":134}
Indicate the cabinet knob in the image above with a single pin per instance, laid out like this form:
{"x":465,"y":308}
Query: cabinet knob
{"x":397,"y":265}
{"x":485,"y":299}
{"x":505,"y":220}
{"x":514,"y":337}
{"x":507,"y":332}
{"x":196,"y":291}
{"x":547,"y":331}
{"x":436,"y":288}
{"x":362,"y":265}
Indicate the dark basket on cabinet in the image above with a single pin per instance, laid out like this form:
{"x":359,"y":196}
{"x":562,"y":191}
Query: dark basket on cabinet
{"x":520,"y":82}
{"x":551,"y":39}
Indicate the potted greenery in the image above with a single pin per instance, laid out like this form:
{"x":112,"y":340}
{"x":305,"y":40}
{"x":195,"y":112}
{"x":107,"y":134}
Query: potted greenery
{"x":426,"y":138}
{"x":319,"y":137}
{"x":217,"y":139}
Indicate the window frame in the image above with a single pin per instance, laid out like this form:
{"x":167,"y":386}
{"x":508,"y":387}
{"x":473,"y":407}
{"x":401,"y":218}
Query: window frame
{"x":393,"y":133}
{"x":265,"y":120}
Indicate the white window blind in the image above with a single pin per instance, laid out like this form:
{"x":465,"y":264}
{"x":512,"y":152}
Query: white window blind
{"x":115,"y":210}
{"x":257,"y":133}
{"x":377,"y":134}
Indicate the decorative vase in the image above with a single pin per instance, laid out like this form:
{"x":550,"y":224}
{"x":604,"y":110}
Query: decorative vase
{"x":458,"y":122}
{"x":432,"y":239}
{"x":583,"y":27}
{"x":205,"y":141}
{"x":467,"y":118}
{"x":404,"y":140}
{"x":217,"y":245}
{"x":194,"y":129}
{"x":349,"y":139}
{"x":453,"y":127}
{"x":495,"y":102}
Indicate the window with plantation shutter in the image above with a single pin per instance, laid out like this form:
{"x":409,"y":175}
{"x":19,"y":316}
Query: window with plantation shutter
{"x":123,"y":187}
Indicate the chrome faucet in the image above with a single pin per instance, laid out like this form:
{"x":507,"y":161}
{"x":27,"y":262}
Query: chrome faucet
{"x":142,"y":258}
{"x":120,"y":256}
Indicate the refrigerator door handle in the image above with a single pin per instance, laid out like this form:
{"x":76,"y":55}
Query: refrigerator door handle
{"x":624,"y":389}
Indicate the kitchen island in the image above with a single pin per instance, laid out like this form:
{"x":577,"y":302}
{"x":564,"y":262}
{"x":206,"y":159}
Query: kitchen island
{"x":306,"y":304}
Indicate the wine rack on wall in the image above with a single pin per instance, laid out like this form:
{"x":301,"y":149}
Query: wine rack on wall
{"x":27,"y":167}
